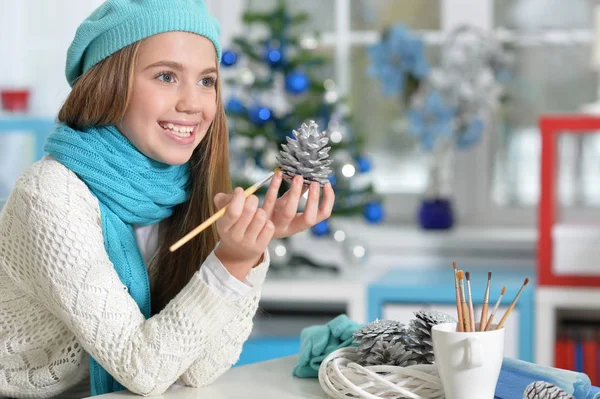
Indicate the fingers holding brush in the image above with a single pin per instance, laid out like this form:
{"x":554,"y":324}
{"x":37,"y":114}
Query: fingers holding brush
{"x":272,"y":192}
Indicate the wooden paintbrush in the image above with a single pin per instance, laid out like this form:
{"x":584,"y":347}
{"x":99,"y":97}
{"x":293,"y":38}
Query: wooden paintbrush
{"x":488,"y":325}
{"x":512,"y":305}
{"x":458,"y":301}
{"x":471,"y":312}
{"x":463,"y":300}
{"x":218,"y":215}
{"x":486,"y":300}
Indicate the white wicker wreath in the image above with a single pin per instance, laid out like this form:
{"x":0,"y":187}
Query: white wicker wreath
{"x":341,"y":377}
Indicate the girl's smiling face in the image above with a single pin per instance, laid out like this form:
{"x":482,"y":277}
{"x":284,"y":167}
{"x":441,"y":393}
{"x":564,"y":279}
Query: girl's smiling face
{"x":173,"y":98}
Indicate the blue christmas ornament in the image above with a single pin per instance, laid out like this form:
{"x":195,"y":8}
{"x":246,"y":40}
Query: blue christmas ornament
{"x":274,"y":56}
{"x":297,"y":82}
{"x":320,"y":229}
{"x":259,"y":115}
{"x":234,"y":106}
{"x":373,"y":212}
{"x":228,"y":58}
{"x":332,"y":179}
{"x":364,"y":164}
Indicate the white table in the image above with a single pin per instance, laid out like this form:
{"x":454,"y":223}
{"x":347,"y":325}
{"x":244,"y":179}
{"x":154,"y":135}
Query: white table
{"x":264,"y":380}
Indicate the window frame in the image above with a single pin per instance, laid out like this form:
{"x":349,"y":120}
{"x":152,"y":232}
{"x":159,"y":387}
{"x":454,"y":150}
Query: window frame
{"x":474,"y":168}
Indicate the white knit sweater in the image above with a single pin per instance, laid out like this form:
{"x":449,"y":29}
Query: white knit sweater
{"x":60,"y":299}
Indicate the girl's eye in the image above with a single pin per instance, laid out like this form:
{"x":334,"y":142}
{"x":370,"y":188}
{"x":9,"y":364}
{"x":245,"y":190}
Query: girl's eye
{"x":166,"y":77}
{"x":208,"y":82}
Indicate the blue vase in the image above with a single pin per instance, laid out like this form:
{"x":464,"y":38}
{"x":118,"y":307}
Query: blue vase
{"x":436,"y":214}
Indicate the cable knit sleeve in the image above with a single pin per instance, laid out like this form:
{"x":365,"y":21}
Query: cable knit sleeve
{"x":228,"y":346}
{"x":54,"y":251}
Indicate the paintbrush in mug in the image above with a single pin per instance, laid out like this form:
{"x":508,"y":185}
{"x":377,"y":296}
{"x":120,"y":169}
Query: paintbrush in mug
{"x":471,"y":312}
{"x":486,"y":300}
{"x":463,"y":300}
{"x":512,"y":305}
{"x":458,"y":301}
{"x":488,"y":325}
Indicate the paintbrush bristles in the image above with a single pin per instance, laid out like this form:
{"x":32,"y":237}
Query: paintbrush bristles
{"x":458,"y":301}
{"x":463,"y":300}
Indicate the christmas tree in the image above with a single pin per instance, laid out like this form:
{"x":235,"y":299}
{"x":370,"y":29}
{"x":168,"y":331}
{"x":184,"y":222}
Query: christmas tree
{"x":275,"y":83}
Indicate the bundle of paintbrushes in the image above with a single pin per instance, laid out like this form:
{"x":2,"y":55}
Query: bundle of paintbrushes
{"x":464,"y":304}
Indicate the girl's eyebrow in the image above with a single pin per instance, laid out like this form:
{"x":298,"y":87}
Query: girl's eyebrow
{"x":171,"y":64}
{"x":178,"y":66}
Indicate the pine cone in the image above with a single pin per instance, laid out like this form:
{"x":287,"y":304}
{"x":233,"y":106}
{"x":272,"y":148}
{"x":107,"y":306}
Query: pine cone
{"x":306,"y":155}
{"x":385,"y":330}
{"x":545,"y":390}
{"x":418,"y":336}
{"x":383,"y":342}
{"x":389,"y":353}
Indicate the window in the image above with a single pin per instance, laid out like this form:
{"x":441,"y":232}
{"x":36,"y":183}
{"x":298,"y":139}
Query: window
{"x":554,"y":74}
{"x":497,"y":181}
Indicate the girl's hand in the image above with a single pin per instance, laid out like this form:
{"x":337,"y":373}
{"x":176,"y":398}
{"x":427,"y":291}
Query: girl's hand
{"x":283,"y":211}
{"x":245,"y":231}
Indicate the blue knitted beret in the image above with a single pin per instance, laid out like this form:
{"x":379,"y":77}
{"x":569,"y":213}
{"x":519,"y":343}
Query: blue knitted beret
{"x":119,"y":23}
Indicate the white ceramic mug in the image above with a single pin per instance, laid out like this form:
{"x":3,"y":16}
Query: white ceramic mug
{"x":468,"y":362}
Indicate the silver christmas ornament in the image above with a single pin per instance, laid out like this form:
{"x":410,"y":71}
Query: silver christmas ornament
{"x":309,"y":41}
{"x":259,"y":143}
{"x":280,"y":252}
{"x":339,"y":235}
{"x":306,"y":155}
{"x":337,"y":133}
{"x":353,"y":250}
{"x":545,"y":390}
{"x":246,"y":76}
{"x":331,"y":96}
{"x":418,"y":337}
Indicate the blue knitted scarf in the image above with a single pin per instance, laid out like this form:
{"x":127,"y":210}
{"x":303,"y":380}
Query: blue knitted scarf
{"x":131,"y":189}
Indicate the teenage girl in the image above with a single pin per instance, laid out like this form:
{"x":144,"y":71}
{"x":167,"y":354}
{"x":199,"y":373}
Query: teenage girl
{"x":91,"y":299}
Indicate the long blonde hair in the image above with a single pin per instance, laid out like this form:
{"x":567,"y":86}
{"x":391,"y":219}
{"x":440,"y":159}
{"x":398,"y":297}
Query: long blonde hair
{"x":100,"y":97}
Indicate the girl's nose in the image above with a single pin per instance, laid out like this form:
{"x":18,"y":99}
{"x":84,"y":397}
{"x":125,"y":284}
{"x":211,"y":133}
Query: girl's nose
{"x":189,"y":101}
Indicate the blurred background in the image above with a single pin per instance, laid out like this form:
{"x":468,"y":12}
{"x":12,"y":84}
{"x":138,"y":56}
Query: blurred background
{"x":432,"y":109}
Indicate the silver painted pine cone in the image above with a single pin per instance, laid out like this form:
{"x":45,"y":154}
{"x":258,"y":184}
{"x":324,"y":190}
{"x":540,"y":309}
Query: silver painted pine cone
{"x":383,"y":341}
{"x":545,"y":390}
{"x":389,"y":353}
{"x":386,"y":330}
{"x":418,"y":335}
{"x":306,"y":155}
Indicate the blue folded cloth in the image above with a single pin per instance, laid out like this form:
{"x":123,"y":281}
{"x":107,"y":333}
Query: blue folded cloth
{"x":317,"y":342}
{"x":516,"y":375}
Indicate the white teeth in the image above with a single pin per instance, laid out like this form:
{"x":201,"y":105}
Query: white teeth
{"x":181,"y":131}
